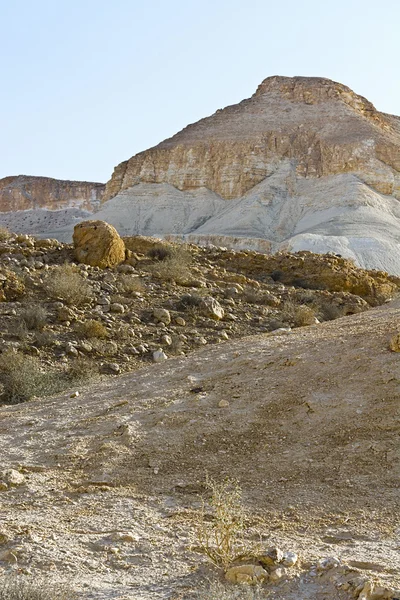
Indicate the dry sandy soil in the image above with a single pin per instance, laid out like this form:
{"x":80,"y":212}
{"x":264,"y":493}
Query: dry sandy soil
{"x":113,"y":477}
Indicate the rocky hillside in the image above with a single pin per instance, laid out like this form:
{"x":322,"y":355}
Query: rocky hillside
{"x":105,"y":488}
{"x":28,"y":193}
{"x":304,"y":164}
{"x":75,"y":321}
{"x":164,"y":407}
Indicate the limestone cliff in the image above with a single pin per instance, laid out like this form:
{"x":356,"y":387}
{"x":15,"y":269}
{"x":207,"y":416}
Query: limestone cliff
{"x":322,"y":126}
{"x":22,"y":193}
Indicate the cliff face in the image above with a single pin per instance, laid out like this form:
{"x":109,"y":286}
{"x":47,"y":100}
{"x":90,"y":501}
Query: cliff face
{"x":22,"y":193}
{"x":322,"y":126}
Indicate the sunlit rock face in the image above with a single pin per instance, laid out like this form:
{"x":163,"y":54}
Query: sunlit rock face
{"x":322,"y":126}
{"x":24,"y":193}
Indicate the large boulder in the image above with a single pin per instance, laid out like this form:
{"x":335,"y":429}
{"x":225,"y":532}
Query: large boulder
{"x":98,"y":244}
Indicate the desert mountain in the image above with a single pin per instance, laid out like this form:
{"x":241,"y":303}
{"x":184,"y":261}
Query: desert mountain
{"x":305,"y":163}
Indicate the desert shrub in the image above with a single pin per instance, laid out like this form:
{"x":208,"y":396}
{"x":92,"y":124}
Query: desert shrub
{"x":298,"y":314}
{"x":44,"y":339}
{"x":67,"y":284}
{"x":5,"y":234}
{"x":129,"y":283}
{"x":18,"y":588}
{"x":91,"y":329}
{"x":277,"y":275}
{"x":219,"y":591}
{"x":34,"y":317}
{"x":189,"y":301}
{"x":21,"y":377}
{"x":175,"y":267}
{"x":80,"y":370}
{"x":17,"y":328}
{"x":221,"y":538}
{"x":160,"y":252}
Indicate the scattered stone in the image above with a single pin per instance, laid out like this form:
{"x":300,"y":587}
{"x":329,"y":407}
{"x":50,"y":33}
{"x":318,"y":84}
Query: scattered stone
{"x":289,"y":559}
{"x":210,"y":307}
{"x":394,"y":343}
{"x":117,"y":308}
{"x":162,"y":315}
{"x":159,"y":356}
{"x":179,"y":321}
{"x":12,"y":478}
{"x":277,"y":574}
{"x":248,"y":574}
{"x":223,"y":403}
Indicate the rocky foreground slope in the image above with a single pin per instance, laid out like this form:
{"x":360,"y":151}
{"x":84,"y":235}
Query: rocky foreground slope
{"x":106,"y":485}
{"x":304,"y":164}
{"x":101,"y":485}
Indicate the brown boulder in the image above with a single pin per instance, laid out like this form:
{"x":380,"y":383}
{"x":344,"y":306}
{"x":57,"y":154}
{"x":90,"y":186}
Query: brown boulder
{"x":98,"y":244}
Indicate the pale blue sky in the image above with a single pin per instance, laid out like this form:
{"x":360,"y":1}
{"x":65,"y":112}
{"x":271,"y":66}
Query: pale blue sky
{"x":89,"y":83}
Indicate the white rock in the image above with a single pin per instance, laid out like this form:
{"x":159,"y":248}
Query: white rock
{"x":159,"y":355}
{"x":289,"y":559}
{"x":163,"y":315}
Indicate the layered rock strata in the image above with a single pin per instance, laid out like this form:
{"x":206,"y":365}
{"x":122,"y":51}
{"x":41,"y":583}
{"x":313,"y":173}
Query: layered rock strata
{"x":23,"y":193}
{"x":323,"y":126}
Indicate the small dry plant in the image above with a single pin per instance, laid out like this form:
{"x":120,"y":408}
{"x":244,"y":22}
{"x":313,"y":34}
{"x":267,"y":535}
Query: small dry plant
{"x":34,"y":317}
{"x":216,"y":590}
{"x":91,"y":329}
{"x":67,"y":284}
{"x":21,"y":588}
{"x":5,"y":234}
{"x":127,"y":284}
{"x":220,"y":536}
{"x":175,"y":267}
{"x":298,"y":314}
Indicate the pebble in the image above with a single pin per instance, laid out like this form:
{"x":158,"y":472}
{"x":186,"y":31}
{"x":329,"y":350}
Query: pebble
{"x":289,"y":559}
{"x":162,"y":315}
{"x":12,"y":477}
{"x":159,"y":356}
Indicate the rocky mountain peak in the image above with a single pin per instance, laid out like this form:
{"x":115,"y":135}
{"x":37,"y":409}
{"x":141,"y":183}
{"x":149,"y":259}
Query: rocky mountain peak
{"x":313,"y":90}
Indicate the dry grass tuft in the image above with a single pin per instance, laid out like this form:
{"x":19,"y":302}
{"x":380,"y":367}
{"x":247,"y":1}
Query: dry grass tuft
{"x":34,"y":317}
{"x":20,"y":588}
{"x":91,"y":329}
{"x":175,"y":267}
{"x":5,"y":234}
{"x":127,"y":284}
{"x":219,"y":591}
{"x":298,"y":315}
{"x":220,"y":536}
{"x":65,"y":283}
